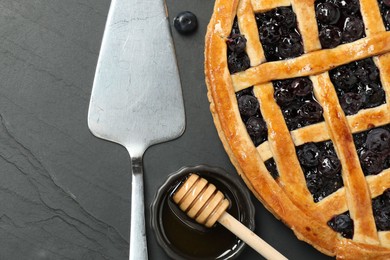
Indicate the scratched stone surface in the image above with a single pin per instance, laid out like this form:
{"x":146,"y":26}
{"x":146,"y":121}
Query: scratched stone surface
{"x":65,"y":194}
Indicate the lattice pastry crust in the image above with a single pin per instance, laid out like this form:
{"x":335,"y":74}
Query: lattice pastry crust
{"x":287,"y":196}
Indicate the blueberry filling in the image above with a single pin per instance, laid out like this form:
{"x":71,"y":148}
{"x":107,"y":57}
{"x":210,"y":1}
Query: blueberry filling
{"x":384,"y":7}
{"x":373,"y":148}
{"x":248,"y":105}
{"x":296,"y":100}
{"x":279,"y":34}
{"x":321,"y":167}
{"x":339,"y":21}
{"x":381,"y":209}
{"x":343,"y":224}
{"x":271,"y":167}
{"x":237,"y":58}
{"x":358,"y":86}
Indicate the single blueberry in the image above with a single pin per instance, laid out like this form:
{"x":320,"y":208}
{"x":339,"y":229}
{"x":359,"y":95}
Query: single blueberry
{"x":343,"y":77}
{"x":362,"y":74}
{"x":270,"y":32}
{"x":311,"y":111}
{"x":292,"y":117}
{"x":286,"y":16}
{"x":330,"y":36}
{"x":372,"y":162}
{"x":289,"y":47}
{"x":327,"y":13}
{"x":329,"y":165}
{"x":236,"y":43}
{"x":283,"y":96}
{"x":342,"y":223}
{"x":302,"y":87}
{"x":313,"y":181}
{"x":185,"y":22}
{"x":378,"y":140}
{"x":248,"y":105}
{"x":353,"y":29}
{"x":238,"y":62}
{"x":373,"y":72}
{"x":309,"y":154}
{"x":271,"y":167}
{"x":351,"y":103}
{"x":291,"y":110}
{"x":375,"y":95}
{"x":257,"y":129}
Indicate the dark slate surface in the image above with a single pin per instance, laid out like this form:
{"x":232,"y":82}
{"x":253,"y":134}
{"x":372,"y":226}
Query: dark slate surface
{"x":65,"y":194}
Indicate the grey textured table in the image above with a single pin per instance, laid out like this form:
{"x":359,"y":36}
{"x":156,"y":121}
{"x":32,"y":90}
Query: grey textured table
{"x":65,"y":194}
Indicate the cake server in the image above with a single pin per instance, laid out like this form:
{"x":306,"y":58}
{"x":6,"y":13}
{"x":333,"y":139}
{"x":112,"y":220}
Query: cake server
{"x":136,"y":98}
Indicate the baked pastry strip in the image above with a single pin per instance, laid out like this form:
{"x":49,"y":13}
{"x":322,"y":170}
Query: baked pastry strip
{"x":364,"y":120}
{"x":223,"y":25}
{"x":265,"y":151}
{"x":307,"y":24}
{"x":369,"y":118}
{"x":356,"y":188}
{"x":371,"y":16}
{"x":311,"y":133}
{"x":281,"y":146}
{"x":265,"y":5}
{"x":379,"y":183}
{"x":320,"y":131}
{"x":384,"y":237}
{"x":348,"y":249}
{"x":313,"y":63}
{"x":291,"y":177}
{"x":248,"y":27}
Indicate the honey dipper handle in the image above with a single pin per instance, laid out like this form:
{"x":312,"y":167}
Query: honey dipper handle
{"x":249,"y":237}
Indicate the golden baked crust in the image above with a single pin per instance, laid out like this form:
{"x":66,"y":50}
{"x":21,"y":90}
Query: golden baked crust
{"x":287,"y":197}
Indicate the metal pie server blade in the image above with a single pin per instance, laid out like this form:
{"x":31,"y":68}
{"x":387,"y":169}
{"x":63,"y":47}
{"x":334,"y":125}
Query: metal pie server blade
{"x":136,"y":98}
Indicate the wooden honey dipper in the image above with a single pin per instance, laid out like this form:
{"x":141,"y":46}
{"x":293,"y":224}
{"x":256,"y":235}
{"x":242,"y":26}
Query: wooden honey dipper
{"x":207,"y":205}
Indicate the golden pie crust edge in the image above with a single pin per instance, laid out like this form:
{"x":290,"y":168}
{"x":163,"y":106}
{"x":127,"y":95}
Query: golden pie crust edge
{"x":247,"y":161}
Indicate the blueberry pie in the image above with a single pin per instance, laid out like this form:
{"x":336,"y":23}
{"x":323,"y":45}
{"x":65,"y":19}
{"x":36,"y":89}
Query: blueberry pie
{"x":300,"y":95}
